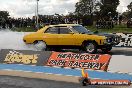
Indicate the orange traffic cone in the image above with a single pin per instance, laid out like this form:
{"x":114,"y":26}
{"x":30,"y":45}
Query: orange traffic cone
{"x":85,"y":75}
{"x":84,"y":80}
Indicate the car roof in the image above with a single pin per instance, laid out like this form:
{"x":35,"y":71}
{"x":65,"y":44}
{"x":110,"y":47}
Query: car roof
{"x":64,"y":25}
{"x":58,"y":25}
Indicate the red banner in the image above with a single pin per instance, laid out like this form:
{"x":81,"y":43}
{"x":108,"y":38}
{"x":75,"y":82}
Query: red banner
{"x":78,"y":60}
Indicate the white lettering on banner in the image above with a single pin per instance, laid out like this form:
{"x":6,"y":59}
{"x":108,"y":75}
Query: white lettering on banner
{"x":16,"y":57}
{"x":79,"y":60}
{"x":93,"y":57}
{"x":77,"y":64}
{"x":109,"y":83}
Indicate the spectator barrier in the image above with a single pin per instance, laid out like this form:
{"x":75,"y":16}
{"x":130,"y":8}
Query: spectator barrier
{"x":60,"y":59}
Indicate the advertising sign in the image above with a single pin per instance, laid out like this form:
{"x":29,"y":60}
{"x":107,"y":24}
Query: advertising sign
{"x":109,"y":82}
{"x":77,"y":60}
{"x":26,"y":57}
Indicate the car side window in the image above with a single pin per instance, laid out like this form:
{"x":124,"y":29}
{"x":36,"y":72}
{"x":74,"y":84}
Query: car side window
{"x":64,"y":30}
{"x":52,"y":30}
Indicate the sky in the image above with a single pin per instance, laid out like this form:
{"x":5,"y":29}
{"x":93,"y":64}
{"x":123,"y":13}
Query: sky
{"x":26,"y":8}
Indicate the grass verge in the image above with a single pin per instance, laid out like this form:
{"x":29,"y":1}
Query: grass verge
{"x":116,"y":29}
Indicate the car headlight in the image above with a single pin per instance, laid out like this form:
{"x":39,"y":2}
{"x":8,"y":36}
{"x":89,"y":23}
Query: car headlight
{"x":108,"y":40}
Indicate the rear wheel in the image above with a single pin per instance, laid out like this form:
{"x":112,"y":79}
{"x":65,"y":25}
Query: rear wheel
{"x":40,"y":45}
{"x":90,"y":47}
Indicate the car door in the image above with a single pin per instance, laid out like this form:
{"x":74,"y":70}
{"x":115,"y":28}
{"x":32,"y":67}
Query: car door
{"x":50,"y":36}
{"x":65,"y":36}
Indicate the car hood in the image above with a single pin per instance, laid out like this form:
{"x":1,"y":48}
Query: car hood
{"x":107,"y":34}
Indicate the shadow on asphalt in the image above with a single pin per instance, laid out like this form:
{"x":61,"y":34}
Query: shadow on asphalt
{"x":115,"y":51}
{"x":119,"y":52}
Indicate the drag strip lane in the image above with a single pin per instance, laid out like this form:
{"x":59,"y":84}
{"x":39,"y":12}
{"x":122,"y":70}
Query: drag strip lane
{"x":62,"y":71}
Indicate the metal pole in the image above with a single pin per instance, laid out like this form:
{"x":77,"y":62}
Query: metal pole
{"x":37,"y":15}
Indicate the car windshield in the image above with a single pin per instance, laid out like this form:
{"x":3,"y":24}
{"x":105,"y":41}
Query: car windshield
{"x":81,"y":29}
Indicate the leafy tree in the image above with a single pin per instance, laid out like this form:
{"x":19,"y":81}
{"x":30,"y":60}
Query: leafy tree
{"x":4,"y":14}
{"x":130,"y":7}
{"x":130,"y":10}
{"x":108,"y":8}
{"x":96,"y":13}
{"x":84,"y":7}
{"x":105,"y":9}
{"x":128,"y":14}
{"x":84,"y":10}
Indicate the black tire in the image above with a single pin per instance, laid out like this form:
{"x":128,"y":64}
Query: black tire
{"x":107,"y":49}
{"x":90,"y":47}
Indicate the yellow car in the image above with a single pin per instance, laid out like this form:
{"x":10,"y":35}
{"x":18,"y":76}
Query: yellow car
{"x":63,"y":36}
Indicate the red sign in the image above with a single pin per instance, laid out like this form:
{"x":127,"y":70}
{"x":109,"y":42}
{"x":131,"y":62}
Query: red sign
{"x":77,"y":60}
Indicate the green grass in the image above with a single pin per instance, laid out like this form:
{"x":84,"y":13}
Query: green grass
{"x":116,"y":29}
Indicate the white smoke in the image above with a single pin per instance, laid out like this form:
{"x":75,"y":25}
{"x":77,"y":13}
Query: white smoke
{"x":13,"y":40}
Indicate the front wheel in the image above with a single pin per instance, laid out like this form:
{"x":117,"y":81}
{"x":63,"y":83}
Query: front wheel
{"x":90,"y":47}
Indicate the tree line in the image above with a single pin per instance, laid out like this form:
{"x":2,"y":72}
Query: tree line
{"x":86,"y":11}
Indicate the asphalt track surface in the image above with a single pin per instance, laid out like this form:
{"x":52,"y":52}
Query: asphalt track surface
{"x":19,"y":82}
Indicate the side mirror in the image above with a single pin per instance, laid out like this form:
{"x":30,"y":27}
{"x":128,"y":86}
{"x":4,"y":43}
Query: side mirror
{"x":71,"y":32}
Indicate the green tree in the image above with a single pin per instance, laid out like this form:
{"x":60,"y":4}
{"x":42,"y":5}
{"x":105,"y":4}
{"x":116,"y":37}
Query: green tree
{"x":108,"y":8}
{"x":128,"y":13}
{"x":84,"y":10}
{"x":4,"y":14}
{"x":130,"y":7}
{"x":84,"y":7}
{"x":130,"y":10}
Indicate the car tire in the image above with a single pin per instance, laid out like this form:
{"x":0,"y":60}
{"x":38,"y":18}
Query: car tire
{"x":90,"y":47}
{"x":40,"y":46}
{"x":106,"y":50}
